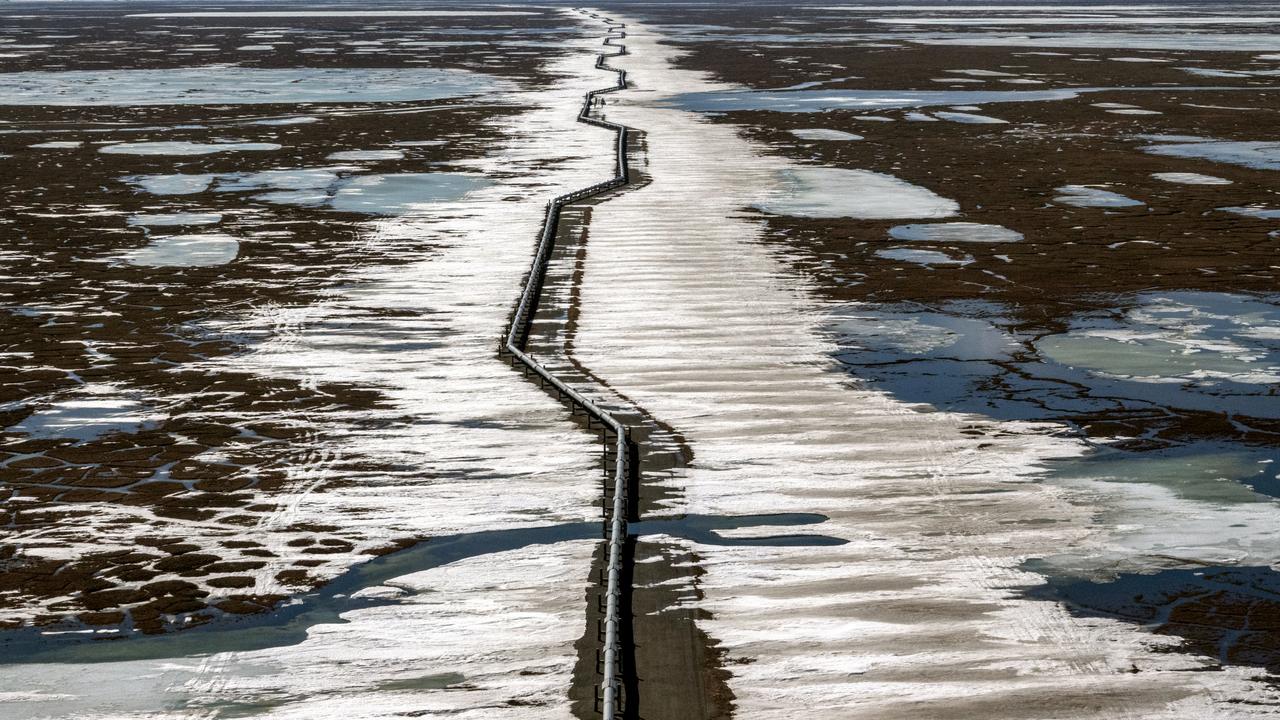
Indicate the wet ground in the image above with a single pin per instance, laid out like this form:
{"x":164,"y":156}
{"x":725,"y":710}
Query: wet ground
{"x":254,"y":272}
{"x":1063,"y":217}
{"x":981,"y":304}
{"x":156,"y":206}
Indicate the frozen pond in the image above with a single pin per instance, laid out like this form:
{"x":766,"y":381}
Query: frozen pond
{"x":1092,"y":19}
{"x":285,"y":122}
{"x":195,"y":250}
{"x":887,"y":380}
{"x":302,"y":352}
{"x":921,"y":257}
{"x":400,"y":194}
{"x":1257,"y":154}
{"x":954,"y":232}
{"x":1186,"y":178}
{"x":175,"y":184}
{"x":816,"y":192}
{"x":1184,"y":351}
{"x":366,"y":155}
{"x":332,"y":13}
{"x":1227,"y":42}
{"x":1093,"y":196}
{"x":1189,"y":343}
{"x":238,"y":85}
{"x":332,"y":187}
{"x":821,"y":100}
{"x":1221,"y":473}
{"x":1263,"y":213}
{"x":185,"y":148}
{"x":968,"y":118}
{"x":169,"y":219}
{"x":825,"y":134}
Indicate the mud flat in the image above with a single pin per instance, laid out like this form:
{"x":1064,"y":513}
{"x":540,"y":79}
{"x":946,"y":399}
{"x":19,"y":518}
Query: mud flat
{"x":993,"y":550}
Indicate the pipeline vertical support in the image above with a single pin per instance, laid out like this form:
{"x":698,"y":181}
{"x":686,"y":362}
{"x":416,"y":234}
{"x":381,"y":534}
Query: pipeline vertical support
{"x":625,"y":472}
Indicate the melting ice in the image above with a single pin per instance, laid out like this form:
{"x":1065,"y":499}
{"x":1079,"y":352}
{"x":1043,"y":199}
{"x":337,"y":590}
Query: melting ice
{"x":818,"y":192}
